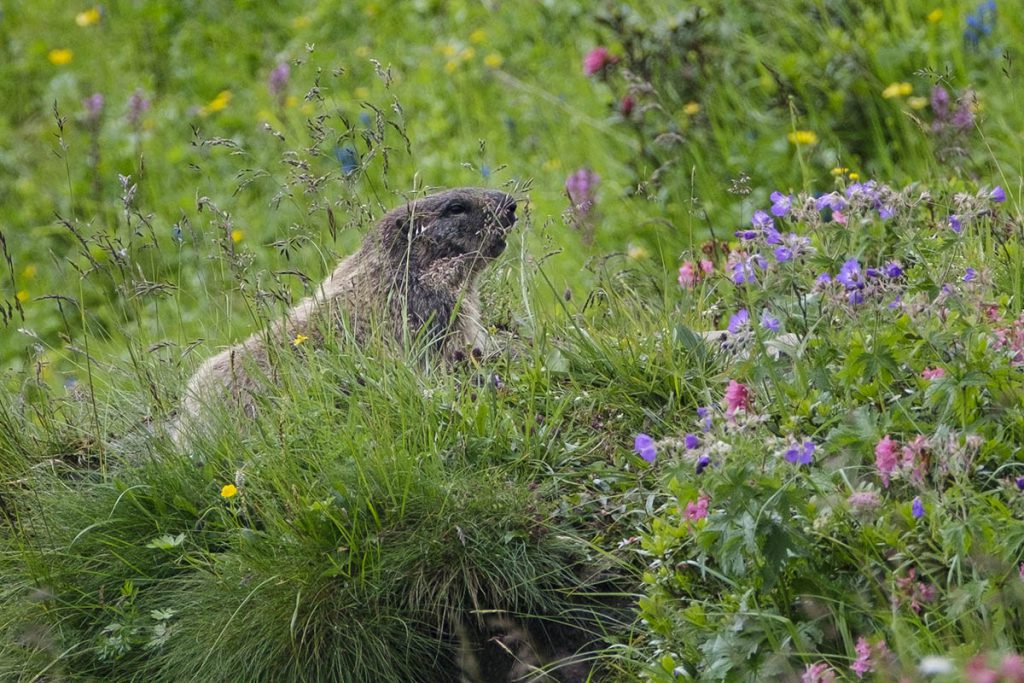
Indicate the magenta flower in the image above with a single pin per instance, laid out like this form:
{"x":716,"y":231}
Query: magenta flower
{"x":581,"y":186}
{"x":885,"y":459}
{"x":596,"y":60}
{"x":277,"y":81}
{"x":862,"y":664}
{"x":626,"y":106}
{"x":933,"y":373}
{"x":643,"y":445}
{"x":737,"y":397}
{"x":688,"y":275}
{"x":818,"y":673}
{"x":699,"y":510}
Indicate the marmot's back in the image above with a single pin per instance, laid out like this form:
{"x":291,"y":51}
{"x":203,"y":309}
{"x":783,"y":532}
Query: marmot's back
{"x":415,"y":273}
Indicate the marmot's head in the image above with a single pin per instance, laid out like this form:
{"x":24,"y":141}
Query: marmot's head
{"x":466,"y":224}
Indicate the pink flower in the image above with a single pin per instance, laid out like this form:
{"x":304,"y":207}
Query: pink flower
{"x":933,"y":373}
{"x":885,"y":459}
{"x":596,"y":60}
{"x":977,"y":671}
{"x":698,"y":510}
{"x":862,"y":664}
{"x":1012,"y":668}
{"x":864,"y":501}
{"x":818,"y":673}
{"x":626,"y":106}
{"x":737,"y":397}
{"x":1021,"y":571}
{"x":915,"y":460}
{"x":688,"y":275}
{"x":707,"y":266}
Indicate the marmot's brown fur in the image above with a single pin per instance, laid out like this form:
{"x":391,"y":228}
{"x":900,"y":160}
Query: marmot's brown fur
{"x":415,"y":274}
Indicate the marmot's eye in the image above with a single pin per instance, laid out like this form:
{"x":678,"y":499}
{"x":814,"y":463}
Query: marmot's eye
{"x":455,"y":208}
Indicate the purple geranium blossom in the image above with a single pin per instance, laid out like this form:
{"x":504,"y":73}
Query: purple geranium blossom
{"x":893,"y":269}
{"x":800,"y":454}
{"x":998,"y":194}
{"x":739,"y":321}
{"x":768,"y":321}
{"x":955,"y":224}
{"x":917,"y":508}
{"x":970,"y":274}
{"x":643,"y":445}
{"x":702,"y":463}
{"x":743,"y":268}
{"x":691,"y":441}
{"x":781,"y":203}
{"x":850,"y":275}
{"x":832,"y":200}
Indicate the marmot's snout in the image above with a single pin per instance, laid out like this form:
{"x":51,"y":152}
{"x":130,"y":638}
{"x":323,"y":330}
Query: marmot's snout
{"x":501,"y":208}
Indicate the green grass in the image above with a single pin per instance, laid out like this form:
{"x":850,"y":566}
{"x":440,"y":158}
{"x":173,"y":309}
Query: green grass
{"x":382,"y":504}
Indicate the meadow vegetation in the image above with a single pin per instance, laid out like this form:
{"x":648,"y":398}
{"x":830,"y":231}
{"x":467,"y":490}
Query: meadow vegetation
{"x":758,"y":412}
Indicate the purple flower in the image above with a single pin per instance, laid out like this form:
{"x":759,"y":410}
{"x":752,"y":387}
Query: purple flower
{"x":800,"y":454}
{"x":138,"y":104}
{"x":893,"y":269}
{"x":743,"y":268}
{"x":955,"y":224}
{"x":93,"y":108}
{"x":885,"y":212}
{"x":832,"y":200}
{"x":998,"y":194}
{"x":762,"y":221}
{"x":917,"y":508}
{"x":855,"y":296}
{"x":768,"y":322}
{"x":823,"y":279}
{"x":643,"y":445}
{"x":704,"y":415}
{"x":1020,"y":483}
{"x":873,"y":272}
{"x":849,"y":275}
{"x":581,"y":186}
{"x":277,"y":81}
{"x":702,"y":463}
{"x":781,"y":203}
{"x":746,"y":234}
{"x":970,"y":274}
{"x":739,"y":321}
{"x":691,"y":441}
{"x":940,"y":102}
{"x":783,"y":254}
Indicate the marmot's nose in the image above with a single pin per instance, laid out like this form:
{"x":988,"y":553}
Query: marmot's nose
{"x":505,"y":210}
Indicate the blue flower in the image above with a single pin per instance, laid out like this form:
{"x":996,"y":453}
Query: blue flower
{"x":885,"y":212}
{"x":743,"y":269}
{"x":768,"y":322}
{"x":702,"y":463}
{"x":739,"y":321}
{"x":832,"y":200}
{"x":781,"y":203}
{"x":955,"y":224}
{"x":691,"y":441}
{"x":800,"y":454}
{"x":746,"y":234}
{"x":704,"y":415}
{"x":823,"y":279}
{"x":893,"y":269}
{"x":970,"y":274}
{"x":346,"y":156}
{"x":997,"y":195}
{"x":643,"y":445}
{"x":783,"y":254}
{"x":917,"y":508}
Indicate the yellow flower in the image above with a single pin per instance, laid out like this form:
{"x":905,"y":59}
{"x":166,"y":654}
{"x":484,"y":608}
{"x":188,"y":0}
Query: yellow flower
{"x":840,"y":170}
{"x":494,"y":60}
{"x":478,"y":36}
{"x":302,"y":21}
{"x":22,"y":296}
{"x":89,"y":17}
{"x":291,"y":101}
{"x":450,"y":66}
{"x":691,"y":108}
{"x":60,"y":57}
{"x":228,"y":491}
{"x":447,"y":49}
{"x":636,"y":252}
{"x":218,"y":103}
{"x":803,"y":137}
{"x":29,"y":272}
{"x":363,"y":51}
{"x":467,"y":54}
{"x":361,"y":93}
{"x":900,"y":89}
{"x":237,"y":235}
{"x":854,"y":176}
{"x":917,"y":102}
{"x":935,"y":16}
{"x":299,"y":338}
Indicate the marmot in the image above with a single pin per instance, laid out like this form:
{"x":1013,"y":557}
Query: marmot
{"x":415,"y":273}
